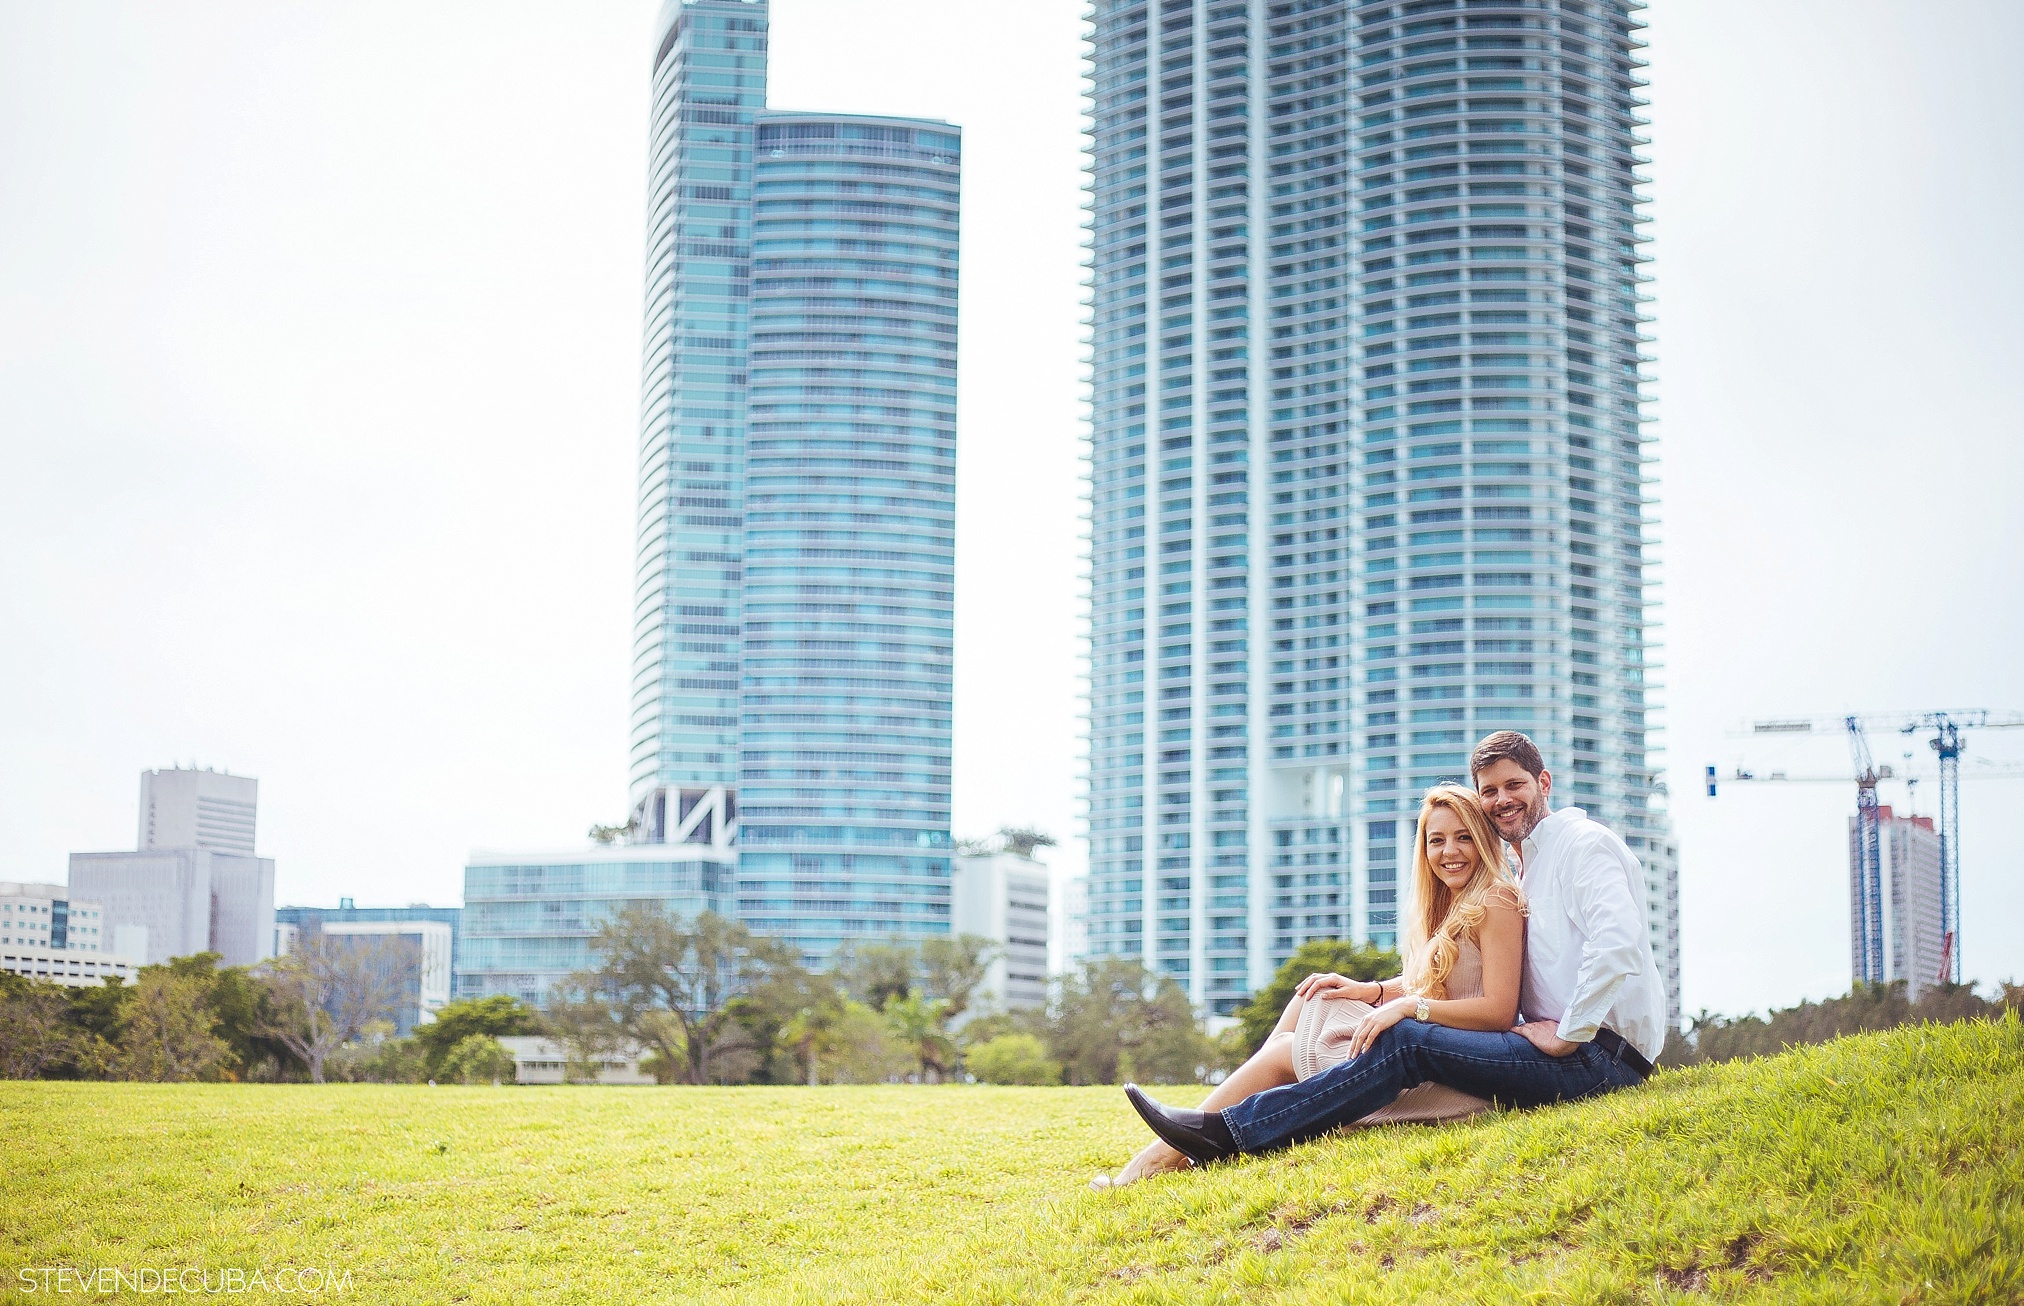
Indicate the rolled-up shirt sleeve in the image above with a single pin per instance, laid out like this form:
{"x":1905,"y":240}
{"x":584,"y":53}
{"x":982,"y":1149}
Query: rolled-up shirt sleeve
{"x":1612,"y":939}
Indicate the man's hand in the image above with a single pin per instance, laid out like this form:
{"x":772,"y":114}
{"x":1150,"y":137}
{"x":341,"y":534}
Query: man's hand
{"x":1540,"y":1034}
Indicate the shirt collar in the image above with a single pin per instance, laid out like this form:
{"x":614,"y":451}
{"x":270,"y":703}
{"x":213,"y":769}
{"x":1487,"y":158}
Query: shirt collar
{"x":1548,"y":832}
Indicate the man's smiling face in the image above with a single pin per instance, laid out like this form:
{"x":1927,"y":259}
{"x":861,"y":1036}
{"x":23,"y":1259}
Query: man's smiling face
{"x":1514,"y":798}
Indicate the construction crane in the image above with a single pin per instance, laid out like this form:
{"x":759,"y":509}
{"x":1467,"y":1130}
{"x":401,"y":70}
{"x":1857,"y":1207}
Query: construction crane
{"x":1947,"y":743}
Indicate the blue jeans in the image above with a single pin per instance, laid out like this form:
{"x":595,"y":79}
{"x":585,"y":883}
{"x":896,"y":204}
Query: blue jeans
{"x":1499,"y":1065}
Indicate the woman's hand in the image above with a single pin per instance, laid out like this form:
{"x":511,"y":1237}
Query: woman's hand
{"x":1332,"y":986}
{"x":1377,"y":1022}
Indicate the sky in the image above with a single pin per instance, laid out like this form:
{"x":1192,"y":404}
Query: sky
{"x":319,"y":348}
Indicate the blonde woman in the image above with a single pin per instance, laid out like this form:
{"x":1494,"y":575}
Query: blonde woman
{"x":1465,"y":952}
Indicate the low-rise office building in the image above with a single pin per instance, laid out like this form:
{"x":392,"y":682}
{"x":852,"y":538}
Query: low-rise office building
{"x":294,"y":922}
{"x":427,"y":943}
{"x":545,"y":1061}
{"x":74,"y":969}
{"x":530,"y":919}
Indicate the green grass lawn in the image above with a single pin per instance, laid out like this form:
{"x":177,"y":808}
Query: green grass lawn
{"x":1880,"y":1168}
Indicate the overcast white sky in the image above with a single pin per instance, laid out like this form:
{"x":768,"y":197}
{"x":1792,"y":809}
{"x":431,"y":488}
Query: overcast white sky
{"x":318,"y":375}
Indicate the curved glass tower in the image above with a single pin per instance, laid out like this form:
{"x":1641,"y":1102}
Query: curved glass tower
{"x":793,"y":633}
{"x":1367,"y":463}
{"x":850,"y":481}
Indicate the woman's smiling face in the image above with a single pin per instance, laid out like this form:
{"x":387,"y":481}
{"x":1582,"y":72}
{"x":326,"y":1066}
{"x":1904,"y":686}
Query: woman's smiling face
{"x":1451,"y":849}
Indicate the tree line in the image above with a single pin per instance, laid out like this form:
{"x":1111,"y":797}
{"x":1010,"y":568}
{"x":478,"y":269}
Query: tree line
{"x":706,"y":1001}
{"x":1865,"y":1007}
{"x":699,"y":1000}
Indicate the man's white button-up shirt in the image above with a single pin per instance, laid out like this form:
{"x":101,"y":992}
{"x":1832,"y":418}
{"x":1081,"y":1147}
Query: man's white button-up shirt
{"x":1588,"y":954}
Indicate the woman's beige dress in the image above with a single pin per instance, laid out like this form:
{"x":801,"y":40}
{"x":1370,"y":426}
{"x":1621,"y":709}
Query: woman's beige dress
{"x":1321,"y":1039}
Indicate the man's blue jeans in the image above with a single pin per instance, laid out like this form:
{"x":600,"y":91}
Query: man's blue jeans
{"x":1499,"y":1065}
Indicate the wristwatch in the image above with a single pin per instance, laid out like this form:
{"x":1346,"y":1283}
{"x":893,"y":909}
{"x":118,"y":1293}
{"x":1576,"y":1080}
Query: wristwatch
{"x":1420,"y":1010}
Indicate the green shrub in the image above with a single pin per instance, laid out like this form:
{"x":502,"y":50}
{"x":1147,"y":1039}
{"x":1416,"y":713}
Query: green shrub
{"x":1013,"y":1059}
{"x":477,"y":1059}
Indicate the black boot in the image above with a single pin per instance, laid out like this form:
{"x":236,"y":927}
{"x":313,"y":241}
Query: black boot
{"x":1201,"y":1136}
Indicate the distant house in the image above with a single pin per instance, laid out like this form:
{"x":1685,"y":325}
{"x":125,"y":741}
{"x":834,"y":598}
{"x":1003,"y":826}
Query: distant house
{"x":545,"y":1061}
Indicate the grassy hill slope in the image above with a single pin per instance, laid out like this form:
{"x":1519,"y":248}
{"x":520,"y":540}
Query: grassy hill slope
{"x":1885,"y":1167}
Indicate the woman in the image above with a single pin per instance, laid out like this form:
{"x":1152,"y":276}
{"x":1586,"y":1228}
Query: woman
{"x":1465,"y":949}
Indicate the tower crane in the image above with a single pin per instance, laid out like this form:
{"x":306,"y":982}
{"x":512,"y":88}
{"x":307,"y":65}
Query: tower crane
{"x":1947,"y":743}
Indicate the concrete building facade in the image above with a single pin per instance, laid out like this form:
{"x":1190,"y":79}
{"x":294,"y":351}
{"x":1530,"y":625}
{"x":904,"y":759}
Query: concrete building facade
{"x":171,"y":899}
{"x":187,"y":808}
{"x":1007,"y":899}
{"x":172,"y":902}
{"x":69,"y":967}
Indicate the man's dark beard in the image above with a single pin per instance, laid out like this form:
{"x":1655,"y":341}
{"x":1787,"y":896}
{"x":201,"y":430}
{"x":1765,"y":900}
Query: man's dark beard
{"x":1534,"y":814}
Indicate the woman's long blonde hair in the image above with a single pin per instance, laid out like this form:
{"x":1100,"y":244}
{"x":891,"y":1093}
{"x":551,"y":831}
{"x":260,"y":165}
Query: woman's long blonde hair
{"x":1438,"y":920}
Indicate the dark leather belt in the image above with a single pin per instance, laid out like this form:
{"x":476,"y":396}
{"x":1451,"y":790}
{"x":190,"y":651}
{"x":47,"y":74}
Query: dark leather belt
{"x":1620,"y":1050}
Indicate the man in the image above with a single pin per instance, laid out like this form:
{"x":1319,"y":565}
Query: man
{"x":1591,"y":1002}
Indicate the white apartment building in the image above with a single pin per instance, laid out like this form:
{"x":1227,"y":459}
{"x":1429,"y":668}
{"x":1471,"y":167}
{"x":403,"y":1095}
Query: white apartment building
{"x":43,"y":915}
{"x":1914,"y":935}
{"x":1004,"y":897}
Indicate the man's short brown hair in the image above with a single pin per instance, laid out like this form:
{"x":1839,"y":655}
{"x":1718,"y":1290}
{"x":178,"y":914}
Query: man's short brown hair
{"x":1507,"y":746}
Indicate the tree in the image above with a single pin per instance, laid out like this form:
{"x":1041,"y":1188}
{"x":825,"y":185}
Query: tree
{"x":1864,"y":1007}
{"x":779,"y":992}
{"x":875,"y":971}
{"x":34,"y":1029}
{"x":328,"y":989}
{"x":1013,"y":1059}
{"x":168,"y":1032}
{"x":952,"y":967}
{"x":921,"y":987}
{"x":490,"y":1017}
{"x":664,"y":986}
{"x":243,"y":1008}
{"x":863,"y":1049}
{"x":93,"y":1017}
{"x":1113,"y":1019}
{"x":1314,"y":957}
{"x":921,"y":1026}
{"x":475,"y":1059}
{"x":1021,"y":842}
{"x":813,"y":1034}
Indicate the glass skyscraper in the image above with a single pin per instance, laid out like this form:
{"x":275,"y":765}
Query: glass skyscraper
{"x":794,"y":632}
{"x":850,"y":489}
{"x":1368,"y":465}
{"x":709,"y":82}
